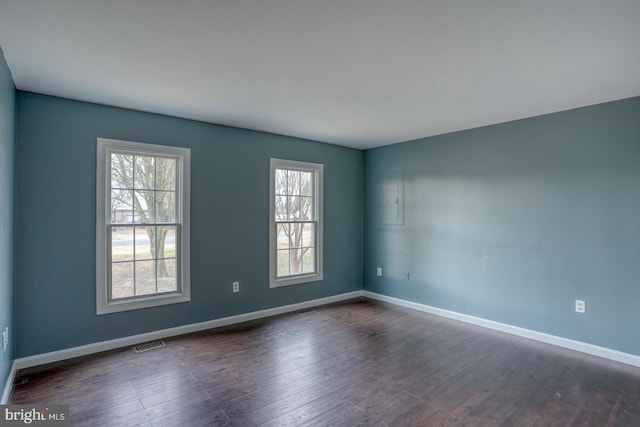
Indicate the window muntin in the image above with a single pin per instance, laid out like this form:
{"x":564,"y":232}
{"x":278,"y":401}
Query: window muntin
{"x":142,"y":235}
{"x":296,"y":222}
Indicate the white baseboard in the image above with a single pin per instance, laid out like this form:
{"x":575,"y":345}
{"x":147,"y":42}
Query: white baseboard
{"x":9,"y":384}
{"x":607,"y":353}
{"x":55,"y":356}
{"x":83,"y":350}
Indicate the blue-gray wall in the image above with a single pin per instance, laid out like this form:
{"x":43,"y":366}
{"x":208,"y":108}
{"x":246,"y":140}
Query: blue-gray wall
{"x":511,"y":222}
{"x":55,"y":268}
{"x":514,"y":222}
{"x":7,"y":186}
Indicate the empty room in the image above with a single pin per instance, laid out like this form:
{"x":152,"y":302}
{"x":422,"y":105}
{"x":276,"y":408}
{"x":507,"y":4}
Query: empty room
{"x":296,"y":213}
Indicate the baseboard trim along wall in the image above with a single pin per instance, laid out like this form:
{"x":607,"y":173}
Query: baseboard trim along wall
{"x":594,"y":350}
{"x":55,"y":356}
{"x":9,"y":385}
{"x":83,"y":350}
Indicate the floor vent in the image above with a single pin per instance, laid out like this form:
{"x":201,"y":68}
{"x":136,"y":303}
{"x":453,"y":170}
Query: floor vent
{"x":148,"y":346}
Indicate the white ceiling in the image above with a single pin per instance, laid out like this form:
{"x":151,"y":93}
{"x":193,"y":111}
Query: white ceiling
{"x":360,"y":73}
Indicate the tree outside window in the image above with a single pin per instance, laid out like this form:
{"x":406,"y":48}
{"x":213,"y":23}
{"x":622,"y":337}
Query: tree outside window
{"x":142,"y":225}
{"x":296,"y":210}
{"x":143,"y":207}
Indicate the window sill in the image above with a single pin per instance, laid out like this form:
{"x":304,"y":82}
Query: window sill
{"x":142,"y":302}
{"x":295,"y":280}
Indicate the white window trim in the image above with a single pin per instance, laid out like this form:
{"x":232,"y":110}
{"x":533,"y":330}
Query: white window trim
{"x":318,"y":170}
{"x":103,"y":304}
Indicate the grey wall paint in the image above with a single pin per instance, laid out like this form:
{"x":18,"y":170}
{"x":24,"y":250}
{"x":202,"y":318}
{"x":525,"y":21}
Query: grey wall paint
{"x":513,"y":222}
{"x":7,"y":197}
{"x":55,"y":232}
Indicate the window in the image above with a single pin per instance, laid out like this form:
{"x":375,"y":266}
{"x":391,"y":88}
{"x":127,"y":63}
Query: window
{"x":142,"y":225}
{"x":295,"y":220}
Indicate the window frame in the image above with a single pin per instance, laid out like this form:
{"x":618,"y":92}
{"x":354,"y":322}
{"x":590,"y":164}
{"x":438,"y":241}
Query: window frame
{"x":318,"y":195}
{"x":104,"y":303}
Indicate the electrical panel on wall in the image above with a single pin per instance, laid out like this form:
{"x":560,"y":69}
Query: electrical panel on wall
{"x":392,"y":198}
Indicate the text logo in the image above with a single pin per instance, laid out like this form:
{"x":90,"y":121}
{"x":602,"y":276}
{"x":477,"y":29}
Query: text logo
{"x":34,"y":415}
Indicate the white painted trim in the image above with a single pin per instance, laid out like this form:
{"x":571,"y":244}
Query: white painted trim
{"x":607,"y":353}
{"x":54,"y":356}
{"x":318,"y":194}
{"x":83,"y":350}
{"x":9,"y":384}
{"x":103,"y":188}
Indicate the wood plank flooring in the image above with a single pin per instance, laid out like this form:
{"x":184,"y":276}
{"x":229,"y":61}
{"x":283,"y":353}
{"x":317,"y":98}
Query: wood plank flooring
{"x":359,"y":363}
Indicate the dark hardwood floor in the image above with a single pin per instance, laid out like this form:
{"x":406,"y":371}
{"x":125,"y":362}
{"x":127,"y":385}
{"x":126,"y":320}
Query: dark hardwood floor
{"x":360,"y":363}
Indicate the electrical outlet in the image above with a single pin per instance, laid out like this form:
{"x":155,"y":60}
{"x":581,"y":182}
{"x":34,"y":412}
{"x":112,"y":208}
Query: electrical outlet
{"x":379,"y":271}
{"x":236,"y":286}
{"x":5,"y":338}
{"x":581,"y":306}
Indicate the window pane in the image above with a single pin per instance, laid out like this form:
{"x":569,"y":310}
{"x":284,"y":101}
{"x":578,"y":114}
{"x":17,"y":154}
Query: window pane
{"x":306,"y":184}
{"x":309,"y":207}
{"x":145,"y":238}
{"x":302,"y":208}
{"x":281,"y":181}
{"x":166,"y":242}
{"x":165,"y":173}
{"x":144,"y":168}
{"x":289,"y":215}
{"x":281,"y":208}
{"x":308,"y":235}
{"x":121,"y":280}
{"x":282,"y":266}
{"x":295,"y":234}
{"x":121,"y":207}
{"x":121,"y":171}
{"x":308,"y":263}
{"x":165,"y":206}
{"x":294,"y":208}
{"x":167,"y":277}
{"x":122,"y":243}
{"x":293,"y":182}
{"x":283,"y":236}
{"x":295,"y":261}
{"x":144,"y":207}
{"x":145,"y":277}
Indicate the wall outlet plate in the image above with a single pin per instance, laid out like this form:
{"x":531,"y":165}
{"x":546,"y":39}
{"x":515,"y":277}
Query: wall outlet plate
{"x":236,"y":286}
{"x":581,"y":306}
{"x":379,"y":271}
